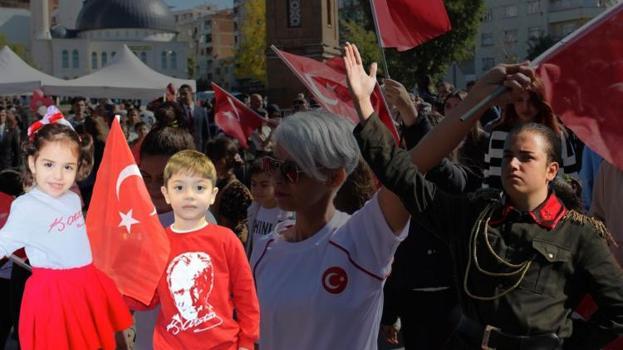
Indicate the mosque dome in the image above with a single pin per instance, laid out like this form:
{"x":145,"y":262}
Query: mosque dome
{"x":112,"y":14}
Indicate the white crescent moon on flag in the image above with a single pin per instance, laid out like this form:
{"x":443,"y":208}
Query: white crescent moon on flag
{"x":327,"y":280}
{"x":316,"y":91}
{"x":233,"y":107}
{"x":130,"y":170}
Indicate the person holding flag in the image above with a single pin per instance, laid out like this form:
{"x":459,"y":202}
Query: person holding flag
{"x":522,"y":260}
{"x":68,"y":303}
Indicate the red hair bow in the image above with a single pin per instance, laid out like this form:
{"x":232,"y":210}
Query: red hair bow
{"x":53,"y":115}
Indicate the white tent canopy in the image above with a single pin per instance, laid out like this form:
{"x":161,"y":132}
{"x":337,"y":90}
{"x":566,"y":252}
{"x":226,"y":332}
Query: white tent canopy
{"x":126,"y":77}
{"x":18,"y":78}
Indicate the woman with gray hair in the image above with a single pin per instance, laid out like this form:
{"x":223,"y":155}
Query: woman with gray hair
{"x":320,"y":279}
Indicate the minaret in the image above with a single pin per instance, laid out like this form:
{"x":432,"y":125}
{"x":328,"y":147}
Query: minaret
{"x":40,"y":19}
{"x":40,"y":38}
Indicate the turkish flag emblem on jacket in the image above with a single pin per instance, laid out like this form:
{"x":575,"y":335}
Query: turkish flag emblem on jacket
{"x":128,"y":242}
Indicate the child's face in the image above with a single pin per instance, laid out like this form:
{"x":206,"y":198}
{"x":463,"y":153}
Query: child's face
{"x":151,"y":168}
{"x":263,"y":188}
{"x":55,"y":166}
{"x":525,"y":167}
{"x":190,"y":196}
{"x":525,"y":109}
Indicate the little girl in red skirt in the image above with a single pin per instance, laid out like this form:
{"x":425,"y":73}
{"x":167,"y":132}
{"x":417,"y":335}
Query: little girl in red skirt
{"x":67,"y":303}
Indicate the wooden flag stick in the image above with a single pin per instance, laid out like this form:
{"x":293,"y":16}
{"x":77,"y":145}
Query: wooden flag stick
{"x":20,"y":262}
{"x":379,"y":41}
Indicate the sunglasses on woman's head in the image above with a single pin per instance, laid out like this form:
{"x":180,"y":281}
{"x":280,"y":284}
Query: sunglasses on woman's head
{"x":288,"y":169}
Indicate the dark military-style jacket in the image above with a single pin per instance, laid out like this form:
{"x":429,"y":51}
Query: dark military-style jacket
{"x":567,"y":255}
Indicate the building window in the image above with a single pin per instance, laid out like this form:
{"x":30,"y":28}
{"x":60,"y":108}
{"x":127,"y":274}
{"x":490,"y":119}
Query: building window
{"x":510,"y":36}
{"x":173,"y":60}
{"x":75,"y":59}
{"x":113,"y":54}
{"x":104,"y":59}
{"x":294,"y":13}
{"x":557,"y":5}
{"x":534,"y":7}
{"x":163,"y":60}
{"x":144,"y":57}
{"x":65,"y":59}
{"x":208,"y":38}
{"x":329,"y":14}
{"x":487,"y":63}
{"x":486,"y":39}
{"x":535,"y":32}
{"x":207,"y":24}
{"x":93,"y":60}
{"x":488,"y":17}
{"x":510,"y":11}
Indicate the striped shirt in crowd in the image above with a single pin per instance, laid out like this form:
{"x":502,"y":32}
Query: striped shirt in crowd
{"x":493,"y":158}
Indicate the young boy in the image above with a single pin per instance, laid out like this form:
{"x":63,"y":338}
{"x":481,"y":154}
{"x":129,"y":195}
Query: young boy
{"x":207,"y":277}
{"x":263,"y":213}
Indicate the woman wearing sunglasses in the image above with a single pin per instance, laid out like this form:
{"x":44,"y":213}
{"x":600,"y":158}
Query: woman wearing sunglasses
{"x":320,"y":279}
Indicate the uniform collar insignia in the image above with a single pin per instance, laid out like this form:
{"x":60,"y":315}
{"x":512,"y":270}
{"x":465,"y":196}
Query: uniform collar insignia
{"x":546,"y":215}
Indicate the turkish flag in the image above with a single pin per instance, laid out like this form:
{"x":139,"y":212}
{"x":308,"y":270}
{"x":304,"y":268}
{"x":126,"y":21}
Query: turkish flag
{"x":234,"y":117}
{"x":126,"y":236}
{"x":327,"y":82}
{"x":39,"y":99}
{"x":584,"y":83}
{"x":405,"y":24}
{"x":5,"y":207}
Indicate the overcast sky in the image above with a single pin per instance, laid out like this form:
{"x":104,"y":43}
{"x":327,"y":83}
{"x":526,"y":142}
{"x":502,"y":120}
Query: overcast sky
{"x":184,"y":4}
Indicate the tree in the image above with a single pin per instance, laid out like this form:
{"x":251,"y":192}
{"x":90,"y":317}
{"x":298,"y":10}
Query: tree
{"x":191,"y":66}
{"x":538,"y":45}
{"x":251,"y":57}
{"x":434,"y":57}
{"x":365,"y":39}
{"x":19,"y":49}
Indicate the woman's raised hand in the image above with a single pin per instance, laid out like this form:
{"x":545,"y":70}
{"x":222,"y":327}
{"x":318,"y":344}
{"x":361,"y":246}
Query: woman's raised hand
{"x":360,"y":83}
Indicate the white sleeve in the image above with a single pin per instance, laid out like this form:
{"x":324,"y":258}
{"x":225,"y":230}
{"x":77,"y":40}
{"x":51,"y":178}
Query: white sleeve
{"x":13,"y":233}
{"x":369,"y":240}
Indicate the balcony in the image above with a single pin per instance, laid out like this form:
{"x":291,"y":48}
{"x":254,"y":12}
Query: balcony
{"x":564,"y":5}
{"x":573,"y":10}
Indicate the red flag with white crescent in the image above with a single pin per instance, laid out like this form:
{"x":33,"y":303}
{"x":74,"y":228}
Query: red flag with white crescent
{"x":583,"y":77}
{"x":234,"y":117}
{"x":327,"y":82}
{"x":126,"y":236}
{"x":405,"y":24}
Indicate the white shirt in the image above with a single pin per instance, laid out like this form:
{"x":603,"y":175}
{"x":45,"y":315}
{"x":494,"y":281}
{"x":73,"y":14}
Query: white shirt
{"x":52,"y":230}
{"x":326,"y":292}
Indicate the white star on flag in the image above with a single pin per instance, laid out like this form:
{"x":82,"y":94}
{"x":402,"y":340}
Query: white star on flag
{"x":127,"y":220}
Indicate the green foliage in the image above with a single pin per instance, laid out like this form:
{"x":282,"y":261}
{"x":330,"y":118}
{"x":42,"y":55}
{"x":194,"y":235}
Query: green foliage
{"x":538,"y":45}
{"x":435,"y":56}
{"x":364,"y":39}
{"x":191,"y":66}
{"x":251,"y":57}
{"x":19,"y":49}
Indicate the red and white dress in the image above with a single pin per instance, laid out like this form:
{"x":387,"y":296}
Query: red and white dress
{"x":67,"y":303}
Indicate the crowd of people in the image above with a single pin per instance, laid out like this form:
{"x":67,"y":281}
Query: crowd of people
{"x":488,"y":233}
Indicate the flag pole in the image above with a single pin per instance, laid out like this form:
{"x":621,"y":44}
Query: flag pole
{"x":20,"y":262}
{"x":379,"y":40}
{"x":545,"y":55}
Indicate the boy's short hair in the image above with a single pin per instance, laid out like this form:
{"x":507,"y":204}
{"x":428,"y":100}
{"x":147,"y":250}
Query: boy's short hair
{"x":166,"y":141}
{"x":190,"y":162}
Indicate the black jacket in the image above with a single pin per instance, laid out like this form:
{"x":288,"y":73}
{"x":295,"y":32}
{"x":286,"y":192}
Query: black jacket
{"x":567,"y":260}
